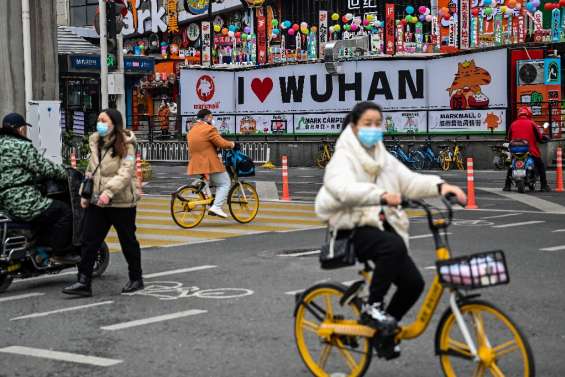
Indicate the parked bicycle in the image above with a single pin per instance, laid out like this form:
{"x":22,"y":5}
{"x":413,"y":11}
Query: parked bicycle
{"x":472,"y":336}
{"x":451,"y":156}
{"x":325,"y":154}
{"x":431,"y":160}
{"x":414,"y":159}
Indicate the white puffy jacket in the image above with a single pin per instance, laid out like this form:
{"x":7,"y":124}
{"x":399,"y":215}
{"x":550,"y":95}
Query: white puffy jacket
{"x":355,"y":179}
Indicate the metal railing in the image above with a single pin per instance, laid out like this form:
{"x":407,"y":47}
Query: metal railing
{"x":177,"y":151}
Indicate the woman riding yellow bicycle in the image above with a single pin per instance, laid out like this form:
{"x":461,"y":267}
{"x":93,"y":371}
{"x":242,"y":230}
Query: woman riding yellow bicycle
{"x":359,"y":176}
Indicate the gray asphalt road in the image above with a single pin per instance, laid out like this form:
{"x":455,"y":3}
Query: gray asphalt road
{"x":251,"y":335}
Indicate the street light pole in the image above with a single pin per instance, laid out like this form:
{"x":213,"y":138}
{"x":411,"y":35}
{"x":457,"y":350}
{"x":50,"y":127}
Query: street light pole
{"x":26,"y":33}
{"x":103,"y":54}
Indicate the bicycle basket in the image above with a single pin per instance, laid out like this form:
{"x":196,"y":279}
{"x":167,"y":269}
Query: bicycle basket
{"x":475,"y":271}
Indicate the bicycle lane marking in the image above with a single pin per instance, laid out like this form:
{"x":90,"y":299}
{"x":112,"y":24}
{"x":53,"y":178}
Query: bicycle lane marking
{"x":151,"y":320}
{"x":173,"y":290}
{"x":61,"y":356}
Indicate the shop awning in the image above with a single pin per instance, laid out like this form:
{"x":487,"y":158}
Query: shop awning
{"x":70,"y":42}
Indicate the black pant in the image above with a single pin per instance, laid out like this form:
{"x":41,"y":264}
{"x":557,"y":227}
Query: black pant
{"x":540,"y":167}
{"x":392,"y":265}
{"x":96,"y":227}
{"x":54,"y":227}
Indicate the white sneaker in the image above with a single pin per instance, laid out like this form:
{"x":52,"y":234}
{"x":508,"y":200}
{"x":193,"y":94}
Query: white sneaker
{"x":214,"y":211}
{"x":382,"y":320}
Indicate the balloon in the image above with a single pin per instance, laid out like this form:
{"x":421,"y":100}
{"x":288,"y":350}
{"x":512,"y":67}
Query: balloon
{"x":548,"y":6}
{"x":354,"y":27}
{"x":247,"y":30}
{"x":428,"y":11}
{"x":422,"y":9}
{"x":304,"y":30}
{"x":422,"y":18}
{"x":536,"y":3}
{"x":238,"y":35}
{"x":487,"y":2}
{"x":275,"y":23}
{"x":349,"y":16}
{"x":296,"y":27}
{"x":429,"y":18}
{"x":244,"y":36}
{"x":232,"y":28}
{"x":475,"y":12}
{"x":303,"y":25}
{"x":231,"y":34}
{"x":446,"y":9}
{"x":217,"y":28}
{"x":335,"y":16}
{"x":370,"y":17}
{"x":276,"y":31}
{"x":488,"y":11}
{"x":366,"y":22}
{"x":414,"y":19}
{"x":347,"y":27}
{"x":562,"y":3}
{"x":512,"y":4}
{"x":530,"y":7}
{"x":291,"y":32}
{"x":313,"y":29}
{"x":225,"y":31}
{"x":344,"y":19}
{"x":504,"y":8}
{"x":337,"y":28}
{"x":410,"y":9}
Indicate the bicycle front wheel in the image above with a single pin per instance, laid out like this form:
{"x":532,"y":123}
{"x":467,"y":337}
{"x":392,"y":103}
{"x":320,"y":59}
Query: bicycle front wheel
{"x":334,"y":355}
{"x":243,"y":202}
{"x":185,"y":214}
{"x":459,"y":162}
{"x":502,"y":348}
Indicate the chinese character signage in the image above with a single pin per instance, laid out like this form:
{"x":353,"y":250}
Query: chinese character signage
{"x":390,"y":28}
{"x":206,"y":43}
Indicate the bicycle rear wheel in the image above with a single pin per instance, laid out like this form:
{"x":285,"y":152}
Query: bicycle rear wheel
{"x":459,"y":162}
{"x":419,"y":160}
{"x":444,"y":161}
{"x":336,"y":355}
{"x":184,"y":214}
{"x":501,"y":346}
{"x":243,"y":202}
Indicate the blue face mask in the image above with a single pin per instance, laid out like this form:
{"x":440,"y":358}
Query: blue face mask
{"x":102,"y":129}
{"x":370,"y":136}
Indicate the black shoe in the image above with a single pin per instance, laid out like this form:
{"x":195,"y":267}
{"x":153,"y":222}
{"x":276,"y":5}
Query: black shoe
{"x":386,"y":347}
{"x":507,"y":188}
{"x":66,"y":259}
{"x":81,"y":288}
{"x":133,"y":285}
{"x":545,"y":188}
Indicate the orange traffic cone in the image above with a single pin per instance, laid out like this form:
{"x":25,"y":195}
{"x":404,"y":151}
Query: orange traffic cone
{"x":559,"y":172}
{"x":471,"y":201}
{"x":73,"y":159}
{"x":286,"y":193}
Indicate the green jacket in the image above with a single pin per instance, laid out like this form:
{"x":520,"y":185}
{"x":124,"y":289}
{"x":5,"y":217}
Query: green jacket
{"x":21,"y":167}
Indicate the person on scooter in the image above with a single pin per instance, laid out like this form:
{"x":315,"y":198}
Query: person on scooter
{"x":525,"y":128}
{"x":22,"y":167}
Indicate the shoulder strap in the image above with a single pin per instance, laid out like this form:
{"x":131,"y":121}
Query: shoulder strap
{"x":100,"y":162}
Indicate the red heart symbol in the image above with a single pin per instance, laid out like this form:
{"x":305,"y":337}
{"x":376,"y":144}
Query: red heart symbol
{"x":262,"y":89}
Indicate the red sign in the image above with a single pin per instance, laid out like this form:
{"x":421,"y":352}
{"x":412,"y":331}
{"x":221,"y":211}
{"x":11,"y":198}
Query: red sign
{"x":205,"y":88}
{"x":465,"y":14}
{"x":261,"y":36}
{"x":390,"y":28}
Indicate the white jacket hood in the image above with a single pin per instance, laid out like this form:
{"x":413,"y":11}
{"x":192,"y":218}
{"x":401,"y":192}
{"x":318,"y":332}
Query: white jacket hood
{"x":356,"y":178}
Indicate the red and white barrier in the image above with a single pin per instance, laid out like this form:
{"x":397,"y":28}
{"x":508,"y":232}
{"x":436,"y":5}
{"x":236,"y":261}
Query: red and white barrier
{"x":471,"y":200}
{"x":559,"y":172}
{"x":286,"y":193}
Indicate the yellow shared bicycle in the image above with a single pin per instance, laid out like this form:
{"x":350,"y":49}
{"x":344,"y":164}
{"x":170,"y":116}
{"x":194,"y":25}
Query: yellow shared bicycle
{"x":473,"y":337}
{"x":451,"y":157}
{"x":189,"y":203}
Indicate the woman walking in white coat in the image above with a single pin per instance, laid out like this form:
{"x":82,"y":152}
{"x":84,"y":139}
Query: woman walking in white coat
{"x":360,"y":176}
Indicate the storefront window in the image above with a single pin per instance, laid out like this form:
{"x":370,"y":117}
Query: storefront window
{"x":83,"y":12}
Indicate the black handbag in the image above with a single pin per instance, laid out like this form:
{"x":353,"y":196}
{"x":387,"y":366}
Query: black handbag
{"x":87,"y":186}
{"x":338,"y":250}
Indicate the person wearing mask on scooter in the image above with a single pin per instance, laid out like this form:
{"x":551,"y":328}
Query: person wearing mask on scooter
{"x":525,"y":128}
{"x":203,"y":142}
{"x":22,"y":168}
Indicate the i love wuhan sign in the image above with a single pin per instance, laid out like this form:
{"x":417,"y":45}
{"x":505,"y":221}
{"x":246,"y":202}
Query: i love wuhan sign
{"x":396,"y":85}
